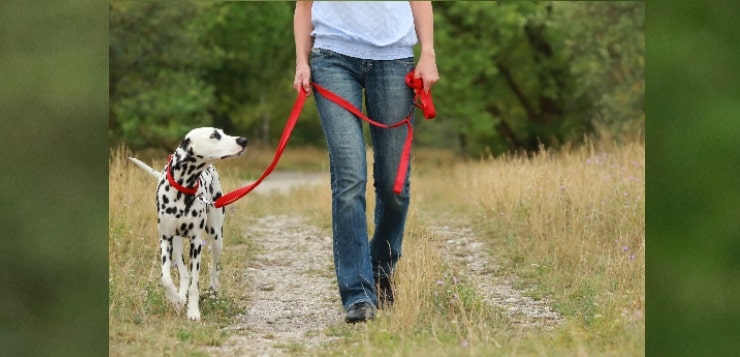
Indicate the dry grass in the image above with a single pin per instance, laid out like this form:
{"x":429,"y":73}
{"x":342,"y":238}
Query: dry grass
{"x":570,"y":226}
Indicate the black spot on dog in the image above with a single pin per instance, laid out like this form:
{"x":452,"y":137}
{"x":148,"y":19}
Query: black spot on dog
{"x":185,"y":143}
{"x":216,"y":135}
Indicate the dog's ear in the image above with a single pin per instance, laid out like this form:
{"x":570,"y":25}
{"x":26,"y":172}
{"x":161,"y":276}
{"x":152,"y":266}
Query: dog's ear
{"x":185,"y":144}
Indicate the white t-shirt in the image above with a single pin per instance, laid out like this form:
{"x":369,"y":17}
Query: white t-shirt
{"x":377,"y":30}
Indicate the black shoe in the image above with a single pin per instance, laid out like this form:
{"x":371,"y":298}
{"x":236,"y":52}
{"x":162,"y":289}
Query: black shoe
{"x":360,"y":312}
{"x":385,"y":292}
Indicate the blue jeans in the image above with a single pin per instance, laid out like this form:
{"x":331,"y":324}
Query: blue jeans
{"x":357,"y":262}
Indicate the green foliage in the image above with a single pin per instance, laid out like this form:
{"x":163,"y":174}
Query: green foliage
{"x":156,"y":63}
{"x":514,"y":75}
{"x":517,"y":75}
{"x":608,"y":60}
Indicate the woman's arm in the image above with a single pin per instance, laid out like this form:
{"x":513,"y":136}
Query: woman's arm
{"x":302,"y":28}
{"x":426,"y":68}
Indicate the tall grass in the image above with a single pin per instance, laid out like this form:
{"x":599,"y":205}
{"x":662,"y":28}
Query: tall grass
{"x":567,"y":226}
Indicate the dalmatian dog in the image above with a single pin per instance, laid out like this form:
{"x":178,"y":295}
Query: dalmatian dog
{"x":188,"y":186}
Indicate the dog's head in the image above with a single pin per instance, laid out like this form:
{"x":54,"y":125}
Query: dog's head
{"x":211,"y":144}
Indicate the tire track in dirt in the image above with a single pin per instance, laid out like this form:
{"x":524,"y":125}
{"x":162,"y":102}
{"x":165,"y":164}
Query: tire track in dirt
{"x":292,"y":292}
{"x":293,"y":298}
{"x":459,"y":245}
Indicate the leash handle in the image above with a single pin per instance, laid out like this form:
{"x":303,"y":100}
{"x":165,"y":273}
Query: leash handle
{"x":422,"y":99}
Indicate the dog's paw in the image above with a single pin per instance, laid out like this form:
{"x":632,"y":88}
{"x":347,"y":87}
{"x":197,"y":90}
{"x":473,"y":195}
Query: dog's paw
{"x":193,"y":314}
{"x":213,"y":290}
{"x":176,"y":300}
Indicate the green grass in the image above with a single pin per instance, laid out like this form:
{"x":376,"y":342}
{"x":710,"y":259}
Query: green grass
{"x":568,"y":226}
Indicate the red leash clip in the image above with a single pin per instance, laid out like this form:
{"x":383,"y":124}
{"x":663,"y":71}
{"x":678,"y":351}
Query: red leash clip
{"x":422,"y":100}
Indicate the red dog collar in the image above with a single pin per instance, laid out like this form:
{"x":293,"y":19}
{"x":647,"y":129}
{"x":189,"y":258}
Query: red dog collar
{"x":177,"y":186}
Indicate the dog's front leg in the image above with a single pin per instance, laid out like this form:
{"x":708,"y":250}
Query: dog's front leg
{"x":215,"y":228}
{"x":195,"y":250}
{"x":169,"y":287}
{"x":218,"y":245}
{"x":184,"y":275}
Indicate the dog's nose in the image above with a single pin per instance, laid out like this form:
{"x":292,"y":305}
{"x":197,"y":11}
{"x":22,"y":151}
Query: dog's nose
{"x":242,"y":142}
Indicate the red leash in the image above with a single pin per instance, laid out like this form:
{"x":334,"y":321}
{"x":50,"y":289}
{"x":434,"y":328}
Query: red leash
{"x":425,"y":103}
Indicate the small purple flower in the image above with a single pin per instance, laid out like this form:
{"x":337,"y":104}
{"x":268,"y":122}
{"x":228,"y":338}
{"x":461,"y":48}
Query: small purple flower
{"x":440,"y":282}
{"x":625,"y":248}
{"x":454,"y":280}
{"x":465,"y":343}
{"x":632,"y":257}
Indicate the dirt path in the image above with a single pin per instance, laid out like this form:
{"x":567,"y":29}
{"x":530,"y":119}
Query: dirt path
{"x":460,"y":245}
{"x":293,"y":297}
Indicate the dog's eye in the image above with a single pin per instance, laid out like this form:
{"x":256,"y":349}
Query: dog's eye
{"x":216,"y":135}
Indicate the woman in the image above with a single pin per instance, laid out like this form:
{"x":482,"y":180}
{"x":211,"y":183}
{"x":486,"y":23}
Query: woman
{"x":351,"y":48}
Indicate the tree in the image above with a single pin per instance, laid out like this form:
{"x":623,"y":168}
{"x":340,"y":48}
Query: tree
{"x":157,"y":93}
{"x":513,"y":75}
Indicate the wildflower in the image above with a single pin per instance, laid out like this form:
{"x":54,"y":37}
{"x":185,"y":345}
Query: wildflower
{"x":632,"y":257}
{"x":625,"y":248}
{"x":440,"y":282}
{"x":465,"y":343}
{"x":454,"y":280}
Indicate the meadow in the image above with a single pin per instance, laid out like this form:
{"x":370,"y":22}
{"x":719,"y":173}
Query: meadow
{"x":565,"y":226}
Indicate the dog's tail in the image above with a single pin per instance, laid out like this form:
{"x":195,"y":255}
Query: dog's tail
{"x":145,"y":167}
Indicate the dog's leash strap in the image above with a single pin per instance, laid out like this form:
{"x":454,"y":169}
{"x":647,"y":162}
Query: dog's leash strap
{"x":425,"y":103}
{"x":287,"y":131}
{"x":405,"y":154}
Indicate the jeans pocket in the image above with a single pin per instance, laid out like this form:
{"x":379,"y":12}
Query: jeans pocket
{"x":408,"y":62}
{"x":318,"y":54}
